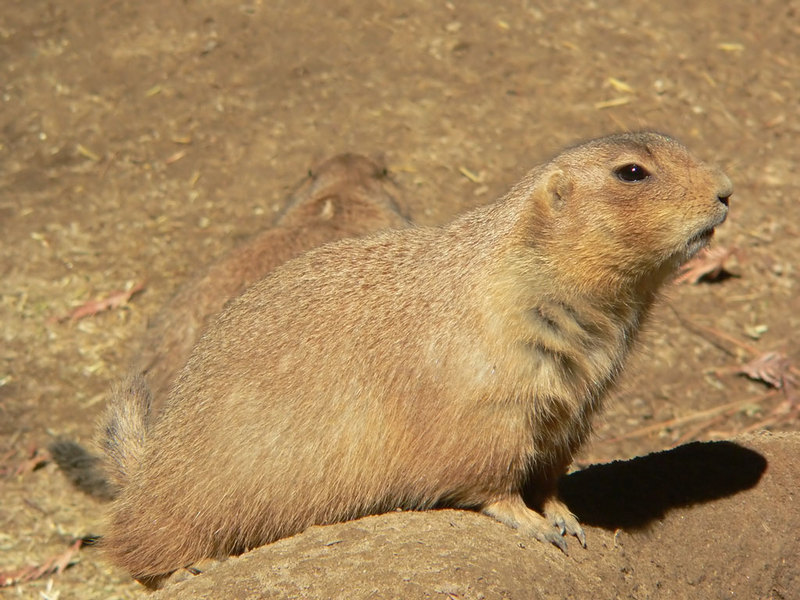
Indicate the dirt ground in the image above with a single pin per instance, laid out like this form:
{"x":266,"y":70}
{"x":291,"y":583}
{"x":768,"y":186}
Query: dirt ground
{"x":140,"y":140}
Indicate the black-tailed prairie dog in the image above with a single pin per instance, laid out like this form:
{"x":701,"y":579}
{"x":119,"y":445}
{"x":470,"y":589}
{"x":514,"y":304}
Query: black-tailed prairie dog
{"x":347,"y":195}
{"x":416,"y":368}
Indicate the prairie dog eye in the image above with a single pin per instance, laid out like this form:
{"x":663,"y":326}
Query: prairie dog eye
{"x":631,"y":172}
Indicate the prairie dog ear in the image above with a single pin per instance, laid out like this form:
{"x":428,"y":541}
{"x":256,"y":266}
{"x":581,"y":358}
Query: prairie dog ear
{"x":327,"y":209}
{"x":558,"y":188}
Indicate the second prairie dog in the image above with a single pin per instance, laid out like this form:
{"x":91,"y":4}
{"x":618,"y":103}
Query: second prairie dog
{"x":417,"y":368}
{"x":345,"y":196}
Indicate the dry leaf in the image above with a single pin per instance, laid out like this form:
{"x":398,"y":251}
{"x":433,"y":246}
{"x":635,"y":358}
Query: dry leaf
{"x":36,"y":458}
{"x":773,"y":368}
{"x":113,"y":300}
{"x":173,"y":158}
{"x":5,"y":468}
{"x":707,"y":265}
{"x":52,"y":566}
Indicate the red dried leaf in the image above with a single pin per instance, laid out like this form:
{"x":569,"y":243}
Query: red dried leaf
{"x":773,"y":368}
{"x":5,"y":468}
{"x":31,"y":464}
{"x":707,"y":265}
{"x":113,"y":300}
{"x":52,"y":566}
{"x":36,"y":457}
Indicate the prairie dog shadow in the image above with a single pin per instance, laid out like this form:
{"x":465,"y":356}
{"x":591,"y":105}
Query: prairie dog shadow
{"x":630,"y":494}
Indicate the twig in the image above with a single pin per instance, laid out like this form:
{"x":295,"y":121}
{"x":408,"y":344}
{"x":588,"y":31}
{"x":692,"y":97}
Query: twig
{"x":731,"y":406}
{"x":92,"y":307}
{"x":700,"y":329}
{"x":694,"y":432}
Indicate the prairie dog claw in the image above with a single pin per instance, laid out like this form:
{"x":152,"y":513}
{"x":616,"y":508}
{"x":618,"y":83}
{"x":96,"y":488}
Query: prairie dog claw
{"x":550,"y":528}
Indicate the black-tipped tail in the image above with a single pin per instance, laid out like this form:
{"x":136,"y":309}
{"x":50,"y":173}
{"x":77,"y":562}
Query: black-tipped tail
{"x":83,"y":469}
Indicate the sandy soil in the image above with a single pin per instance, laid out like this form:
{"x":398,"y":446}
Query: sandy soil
{"x":138,"y":141}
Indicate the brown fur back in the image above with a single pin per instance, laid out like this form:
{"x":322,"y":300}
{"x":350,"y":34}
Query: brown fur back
{"x":345,"y":196}
{"x":419,"y":367}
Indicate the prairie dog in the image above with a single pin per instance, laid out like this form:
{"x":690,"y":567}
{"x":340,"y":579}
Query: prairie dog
{"x":347,"y":195}
{"x":415,"y":368}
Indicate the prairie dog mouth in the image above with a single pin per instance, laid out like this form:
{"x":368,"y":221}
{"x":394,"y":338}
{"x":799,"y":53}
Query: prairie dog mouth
{"x":701,"y":239}
{"x":698,"y":242}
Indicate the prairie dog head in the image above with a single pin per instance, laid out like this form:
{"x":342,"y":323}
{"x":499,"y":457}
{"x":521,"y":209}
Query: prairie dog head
{"x":344,"y":190}
{"x":630,"y":206}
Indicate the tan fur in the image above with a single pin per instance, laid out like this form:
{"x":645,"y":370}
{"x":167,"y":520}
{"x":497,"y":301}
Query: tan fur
{"x":345,"y":196}
{"x":125,"y":428}
{"x":419,"y":367}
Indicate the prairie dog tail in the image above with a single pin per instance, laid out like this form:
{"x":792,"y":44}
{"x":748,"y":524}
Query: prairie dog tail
{"x":84,"y":470}
{"x":125,"y":427}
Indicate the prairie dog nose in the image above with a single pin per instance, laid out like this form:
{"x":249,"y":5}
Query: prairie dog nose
{"x":725,"y":189}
